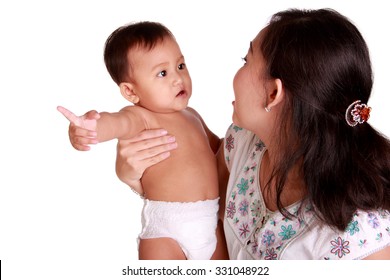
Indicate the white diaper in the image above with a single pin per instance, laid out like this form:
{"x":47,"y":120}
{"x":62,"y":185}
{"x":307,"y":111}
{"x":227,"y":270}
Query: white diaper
{"x":191,"y":224}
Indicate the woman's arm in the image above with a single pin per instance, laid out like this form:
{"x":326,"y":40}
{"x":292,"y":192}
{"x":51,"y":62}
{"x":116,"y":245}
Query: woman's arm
{"x":383,"y":254}
{"x":223,"y":178}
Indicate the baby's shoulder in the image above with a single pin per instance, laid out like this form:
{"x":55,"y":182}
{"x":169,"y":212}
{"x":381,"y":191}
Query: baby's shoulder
{"x":192,"y":112}
{"x":149,"y":119}
{"x":134,"y":109}
{"x":139,"y":111}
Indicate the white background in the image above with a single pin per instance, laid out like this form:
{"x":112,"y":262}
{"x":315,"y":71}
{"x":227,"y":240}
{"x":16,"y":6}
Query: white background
{"x":63,"y":213}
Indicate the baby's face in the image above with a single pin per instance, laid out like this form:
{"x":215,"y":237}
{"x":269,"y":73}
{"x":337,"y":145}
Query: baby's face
{"x":162,"y":81}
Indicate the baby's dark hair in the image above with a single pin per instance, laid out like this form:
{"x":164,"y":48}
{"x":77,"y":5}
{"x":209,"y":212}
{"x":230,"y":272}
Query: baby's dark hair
{"x":324,"y":65}
{"x":143,"y":34}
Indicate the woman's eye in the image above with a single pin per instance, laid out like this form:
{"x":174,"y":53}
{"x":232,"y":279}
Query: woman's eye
{"x":244,"y":59}
{"x":182,"y":66}
{"x":162,"y":74}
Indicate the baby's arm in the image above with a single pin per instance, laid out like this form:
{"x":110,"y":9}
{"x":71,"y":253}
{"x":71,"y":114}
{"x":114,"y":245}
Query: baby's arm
{"x":121,"y":125}
{"x":93,"y":127}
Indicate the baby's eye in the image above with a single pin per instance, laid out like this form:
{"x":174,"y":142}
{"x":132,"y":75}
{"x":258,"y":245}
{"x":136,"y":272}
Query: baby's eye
{"x":182,"y":66}
{"x":162,"y":73}
{"x":244,"y":59}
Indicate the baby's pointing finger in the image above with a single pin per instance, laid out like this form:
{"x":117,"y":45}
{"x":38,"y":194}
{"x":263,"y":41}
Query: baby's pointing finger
{"x":68,"y":114}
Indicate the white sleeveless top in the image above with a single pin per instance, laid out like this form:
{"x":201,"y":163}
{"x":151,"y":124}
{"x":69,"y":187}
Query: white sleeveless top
{"x":254,"y":232}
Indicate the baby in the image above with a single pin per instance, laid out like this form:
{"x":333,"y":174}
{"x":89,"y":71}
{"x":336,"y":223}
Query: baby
{"x":179,"y":216}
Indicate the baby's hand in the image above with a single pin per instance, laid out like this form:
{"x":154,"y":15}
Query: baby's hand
{"x":82,"y":129}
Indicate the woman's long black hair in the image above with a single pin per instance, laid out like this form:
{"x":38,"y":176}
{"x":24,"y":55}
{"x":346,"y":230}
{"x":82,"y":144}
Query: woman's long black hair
{"x":324,"y":65}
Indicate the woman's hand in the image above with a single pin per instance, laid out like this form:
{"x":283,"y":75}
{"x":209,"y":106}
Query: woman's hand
{"x":140,"y":152}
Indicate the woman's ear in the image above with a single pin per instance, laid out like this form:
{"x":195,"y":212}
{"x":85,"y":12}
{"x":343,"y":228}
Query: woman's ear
{"x":276,"y":94}
{"x":127,"y":90}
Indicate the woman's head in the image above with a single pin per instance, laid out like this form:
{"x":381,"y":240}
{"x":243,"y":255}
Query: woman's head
{"x":311,"y":65}
{"x":307,"y":66}
{"x":323,"y":63}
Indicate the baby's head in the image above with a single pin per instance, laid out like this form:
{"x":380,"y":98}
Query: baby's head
{"x":143,"y":35}
{"x":146,"y":62}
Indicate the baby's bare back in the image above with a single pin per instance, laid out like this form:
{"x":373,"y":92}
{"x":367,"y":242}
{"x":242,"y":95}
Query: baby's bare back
{"x":190,"y":173}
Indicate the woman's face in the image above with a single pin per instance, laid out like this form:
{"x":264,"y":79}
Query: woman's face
{"x":250,"y":89}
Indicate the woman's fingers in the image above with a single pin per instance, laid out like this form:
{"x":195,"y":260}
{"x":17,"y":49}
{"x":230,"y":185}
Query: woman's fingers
{"x":148,"y":134}
{"x":146,"y":148}
{"x":147,"y":152}
{"x":152,"y":147}
{"x":134,"y":157}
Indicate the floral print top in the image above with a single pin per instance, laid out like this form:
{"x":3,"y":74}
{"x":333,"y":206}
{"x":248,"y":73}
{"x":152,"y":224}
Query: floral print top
{"x":254,"y":232}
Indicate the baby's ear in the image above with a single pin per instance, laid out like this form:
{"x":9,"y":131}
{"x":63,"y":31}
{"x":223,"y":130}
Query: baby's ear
{"x":127,"y":90}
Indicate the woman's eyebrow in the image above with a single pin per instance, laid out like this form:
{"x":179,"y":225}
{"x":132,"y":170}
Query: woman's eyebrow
{"x":250,"y":47}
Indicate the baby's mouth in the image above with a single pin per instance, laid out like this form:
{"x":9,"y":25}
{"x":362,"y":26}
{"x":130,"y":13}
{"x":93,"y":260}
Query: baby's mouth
{"x":181,"y":93}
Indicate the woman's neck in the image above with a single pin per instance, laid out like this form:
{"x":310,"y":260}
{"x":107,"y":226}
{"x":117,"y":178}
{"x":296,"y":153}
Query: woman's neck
{"x":294,"y":188}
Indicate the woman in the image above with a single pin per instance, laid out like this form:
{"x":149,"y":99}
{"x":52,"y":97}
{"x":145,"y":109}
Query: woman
{"x":302,"y":174}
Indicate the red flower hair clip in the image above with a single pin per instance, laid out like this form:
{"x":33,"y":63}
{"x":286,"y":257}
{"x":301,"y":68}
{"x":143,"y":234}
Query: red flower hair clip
{"x":356,"y":113}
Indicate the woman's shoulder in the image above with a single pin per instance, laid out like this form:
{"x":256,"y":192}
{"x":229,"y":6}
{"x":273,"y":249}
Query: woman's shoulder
{"x":237,"y":138}
{"x":367,"y":233}
{"x":239,"y":142}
